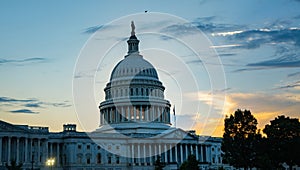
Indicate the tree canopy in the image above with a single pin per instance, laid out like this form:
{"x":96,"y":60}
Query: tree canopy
{"x":239,"y":139}
{"x":283,"y":137}
{"x":190,"y":163}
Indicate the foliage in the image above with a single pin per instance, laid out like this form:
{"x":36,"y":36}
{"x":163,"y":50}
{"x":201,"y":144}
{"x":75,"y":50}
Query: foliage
{"x":13,"y":165}
{"x":240,"y":139}
{"x":190,"y":163}
{"x":158,"y":164}
{"x":283,"y":138}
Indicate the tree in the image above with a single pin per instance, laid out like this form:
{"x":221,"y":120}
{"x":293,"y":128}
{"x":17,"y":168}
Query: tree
{"x":240,"y":139}
{"x":190,"y":163}
{"x":158,"y":164}
{"x":283,"y":136}
{"x":13,"y":165}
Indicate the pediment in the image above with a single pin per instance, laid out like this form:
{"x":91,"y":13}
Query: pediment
{"x":178,"y":134}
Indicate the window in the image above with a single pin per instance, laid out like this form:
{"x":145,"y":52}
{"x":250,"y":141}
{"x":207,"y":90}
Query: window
{"x":98,"y":147}
{"x":213,"y":149}
{"x":88,"y":160}
{"x":109,"y":159}
{"x":79,"y":146}
{"x":88,"y":147}
{"x":98,"y":158}
{"x":117,"y":160}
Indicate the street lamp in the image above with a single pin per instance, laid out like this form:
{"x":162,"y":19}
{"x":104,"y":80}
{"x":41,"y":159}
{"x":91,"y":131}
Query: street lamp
{"x":50,"y":162}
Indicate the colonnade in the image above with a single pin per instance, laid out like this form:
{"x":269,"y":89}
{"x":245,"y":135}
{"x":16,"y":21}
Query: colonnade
{"x":147,"y":153}
{"x":28,"y":151}
{"x":138,"y":113}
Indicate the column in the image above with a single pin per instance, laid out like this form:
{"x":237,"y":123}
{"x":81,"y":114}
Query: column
{"x":151,"y":113}
{"x":144,"y":150}
{"x":147,"y":113}
{"x":165,"y":151}
{"x":8,"y":148}
{"x":197,"y":157}
{"x":57,"y":155}
{"x":159,"y":149}
{"x":155,"y":152}
{"x":110,"y":115}
{"x":139,"y":153}
{"x":171,"y":153}
{"x":141,"y":110}
{"x":51,"y":149}
{"x":150,"y":154}
{"x":176,"y":158}
{"x":201,"y":153}
{"x":208,"y":156}
{"x":192,"y":152}
{"x":128,"y":113}
{"x":18,"y":149}
{"x":134,"y":113}
{"x":132,"y":153}
{"x":46,"y":151}
{"x":122,"y":113}
{"x":158,"y":114}
{"x":39,"y":150}
{"x":186,"y":152}
{"x":181,"y":154}
{"x":31,"y":150}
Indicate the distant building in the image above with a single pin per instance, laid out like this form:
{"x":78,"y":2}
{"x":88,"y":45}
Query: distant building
{"x":134,"y":129}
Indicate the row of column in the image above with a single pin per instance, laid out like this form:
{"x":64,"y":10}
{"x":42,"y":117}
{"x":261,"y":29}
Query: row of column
{"x":27,"y":150}
{"x":21,"y":149}
{"x":135,"y":113}
{"x":147,"y":153}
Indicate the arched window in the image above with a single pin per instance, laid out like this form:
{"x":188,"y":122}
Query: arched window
{"x":147,"y":92}
{"x":142,"y":91}
{"x":136,"y":91}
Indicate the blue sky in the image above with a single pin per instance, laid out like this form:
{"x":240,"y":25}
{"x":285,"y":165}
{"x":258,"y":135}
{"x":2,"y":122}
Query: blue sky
{"x":257,"y":42}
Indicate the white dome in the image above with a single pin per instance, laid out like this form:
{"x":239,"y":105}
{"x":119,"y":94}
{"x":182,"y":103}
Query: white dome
{"x":133,"y":66}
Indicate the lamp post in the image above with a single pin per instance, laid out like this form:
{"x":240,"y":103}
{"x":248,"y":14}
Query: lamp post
{"x":50,"y":162}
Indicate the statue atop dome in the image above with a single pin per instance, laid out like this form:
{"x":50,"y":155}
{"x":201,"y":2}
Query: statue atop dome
{"x":132,"y":28}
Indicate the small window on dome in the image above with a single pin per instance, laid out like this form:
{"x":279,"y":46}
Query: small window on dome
{"x":131,"y":92}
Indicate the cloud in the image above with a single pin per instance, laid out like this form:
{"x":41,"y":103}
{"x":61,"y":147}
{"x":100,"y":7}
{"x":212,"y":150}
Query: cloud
{"x":30,"y":103}
{"x":27,"y":111}
{"x":8,"y":99}
{"x":33,"y":105}
{"x":21,"y":62}
{"x":293,"y":85}
{"x":294,"y":74}
{"x":92,"y":29}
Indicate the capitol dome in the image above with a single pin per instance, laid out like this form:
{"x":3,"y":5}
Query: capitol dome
{"x":134,"y":95}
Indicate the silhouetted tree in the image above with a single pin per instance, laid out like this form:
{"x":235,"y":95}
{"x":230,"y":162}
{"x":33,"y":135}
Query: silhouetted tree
{"x":190,"y":163}
{"x":240,"y":139}
{"x":13,"y":165}
{"x":158,"y":164}
{"x":283,"y":136}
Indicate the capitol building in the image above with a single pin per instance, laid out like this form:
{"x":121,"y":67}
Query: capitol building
{"x":135,"y":130}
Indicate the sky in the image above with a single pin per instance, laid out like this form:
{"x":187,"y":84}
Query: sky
{"x":236,"y":54}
